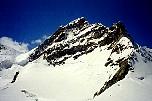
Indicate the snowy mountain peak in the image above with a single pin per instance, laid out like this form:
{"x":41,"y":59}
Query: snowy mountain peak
{"x":78,"y":21}
{"x":83,"y":62}
{"x":78,"y":38}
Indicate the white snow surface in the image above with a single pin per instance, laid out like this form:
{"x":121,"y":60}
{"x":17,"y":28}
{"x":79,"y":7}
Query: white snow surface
{"x":77,"y":80}
{"x":22,"y":59}
{"x":73,"y":81}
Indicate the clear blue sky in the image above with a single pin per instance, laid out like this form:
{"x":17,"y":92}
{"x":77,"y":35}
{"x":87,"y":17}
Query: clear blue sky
{"x":27,"y":20}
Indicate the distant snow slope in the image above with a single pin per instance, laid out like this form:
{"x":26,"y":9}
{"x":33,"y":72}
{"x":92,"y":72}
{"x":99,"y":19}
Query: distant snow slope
{"x":82,"y":62}
{"x":9,"y":49}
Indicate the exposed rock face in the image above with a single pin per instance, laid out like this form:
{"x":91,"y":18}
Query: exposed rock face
{"x":79,"y":38}
{"x":119,"y":75}
{"x":2,"y":47}
{"x":82,"y":41}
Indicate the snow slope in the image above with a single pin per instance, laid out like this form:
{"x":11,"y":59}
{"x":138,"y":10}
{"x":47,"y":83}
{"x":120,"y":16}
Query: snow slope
{"x":136,"y":86}
{"x":108,"y":66}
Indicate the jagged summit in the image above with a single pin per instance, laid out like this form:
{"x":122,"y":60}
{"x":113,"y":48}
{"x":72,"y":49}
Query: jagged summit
{"x":78,"y":22}
{"x":78,"y":37}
